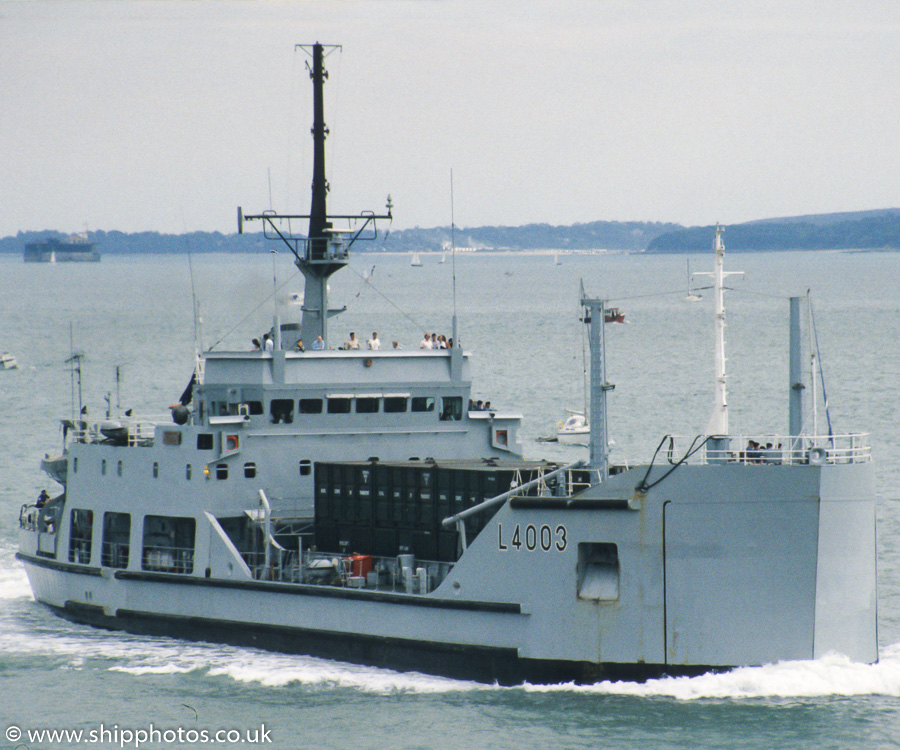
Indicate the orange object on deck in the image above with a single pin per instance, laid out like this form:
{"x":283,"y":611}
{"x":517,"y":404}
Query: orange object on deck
{"x":360,"y":565}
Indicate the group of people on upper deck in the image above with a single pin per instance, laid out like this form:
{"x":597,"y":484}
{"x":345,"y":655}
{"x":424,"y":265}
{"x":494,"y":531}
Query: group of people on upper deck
{"x":429,"y":341}
{"x":433,"y":341}
{"x":757,"y":453}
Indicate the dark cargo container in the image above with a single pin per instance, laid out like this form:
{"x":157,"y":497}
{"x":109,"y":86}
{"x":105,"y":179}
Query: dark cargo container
{"x":386,"y":509}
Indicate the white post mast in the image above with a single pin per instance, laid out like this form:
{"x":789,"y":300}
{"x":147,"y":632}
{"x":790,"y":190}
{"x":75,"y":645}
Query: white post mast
{"x":718,"y":422}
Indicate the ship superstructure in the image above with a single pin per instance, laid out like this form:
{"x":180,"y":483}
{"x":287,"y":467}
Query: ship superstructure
{"x":350,"y":503}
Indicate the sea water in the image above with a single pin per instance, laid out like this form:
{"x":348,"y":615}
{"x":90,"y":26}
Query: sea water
{"x":518,"y":316}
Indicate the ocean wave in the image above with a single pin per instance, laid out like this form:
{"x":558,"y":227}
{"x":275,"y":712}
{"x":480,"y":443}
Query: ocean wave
{"x":832,"y":675}
{"x":277,"y":671}
{"x":79,"y":646}
{"x":13,"y":581}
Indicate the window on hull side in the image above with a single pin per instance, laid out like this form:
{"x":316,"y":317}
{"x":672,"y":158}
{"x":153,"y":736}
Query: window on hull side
{"x":114,"y":549}
{"x":82,"y":530}
{"x":168,"y":545}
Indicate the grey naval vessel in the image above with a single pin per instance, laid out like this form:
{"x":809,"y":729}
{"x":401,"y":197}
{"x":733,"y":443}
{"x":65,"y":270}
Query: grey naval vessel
{"x":350,"y":504}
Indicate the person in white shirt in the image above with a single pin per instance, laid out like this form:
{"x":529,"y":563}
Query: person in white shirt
{"x":352,"y":342}
{"x":373,"y":343}
{"x":426,"y":342}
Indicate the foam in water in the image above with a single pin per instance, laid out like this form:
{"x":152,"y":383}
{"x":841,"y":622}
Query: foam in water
{"x":13,"y":581}
{"x":832,"y":675}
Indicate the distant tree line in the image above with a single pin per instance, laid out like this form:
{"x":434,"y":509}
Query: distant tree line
{"x":859,"y":230}
{"x":597,"y":235}
{"x":869,"y":230}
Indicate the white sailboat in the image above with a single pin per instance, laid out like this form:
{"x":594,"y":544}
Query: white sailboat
{"x":691,"y":295}
{"x":416,"y":260}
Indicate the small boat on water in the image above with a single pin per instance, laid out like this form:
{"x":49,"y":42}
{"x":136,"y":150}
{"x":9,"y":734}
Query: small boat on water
{"x":691,"y":295}
{"x":614,"y":315}
{"x":575,"y":430}
{"x":416,"y":260}
{"x":8,"y":362}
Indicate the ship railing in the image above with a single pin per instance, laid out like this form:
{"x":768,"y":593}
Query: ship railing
{"x":164,"y":558}
{"x":114,"y":554}
{"x":815,"y":450}
{"x":44,"y":520}
{"x":334,"y":246}
{"x":403,"y":574}
{"x":28,"y":517}
{"x":133,"y":431}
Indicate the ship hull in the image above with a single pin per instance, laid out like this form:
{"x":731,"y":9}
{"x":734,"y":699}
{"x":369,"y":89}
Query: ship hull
{"x":717,"y":566}
{"x":463,"y":661}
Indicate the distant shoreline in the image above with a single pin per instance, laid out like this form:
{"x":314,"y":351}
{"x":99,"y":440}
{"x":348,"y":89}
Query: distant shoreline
{"x":853,"y":232}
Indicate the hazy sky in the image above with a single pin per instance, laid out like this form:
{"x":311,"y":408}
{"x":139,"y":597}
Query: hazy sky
{"x":168,"y":115}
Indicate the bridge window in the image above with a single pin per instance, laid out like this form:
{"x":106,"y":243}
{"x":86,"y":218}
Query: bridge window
{"x":451,"y":407}
{"x":282,"y":410}
{"x":305,"y":467}
{"x":168,"y":544}
{"x":204,"y":441}
{"x":310,"y":406}
{"x":339,"y":405}
{"x":221,"y":471}
{"x":394,"y":404}
{"x":423,"y":403}
{"x":116,"y":536}
{"x":250,"y":470}
{"x":367,"y":405}
{"x":82,"y":528}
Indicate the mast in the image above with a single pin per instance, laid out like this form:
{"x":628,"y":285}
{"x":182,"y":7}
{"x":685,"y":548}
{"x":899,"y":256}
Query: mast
{"x":594,"y":317}
{"x":316,"y":265}
{"x":318,"y":212}
{"x":718,"y":421}
{"x":324,"y":249}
